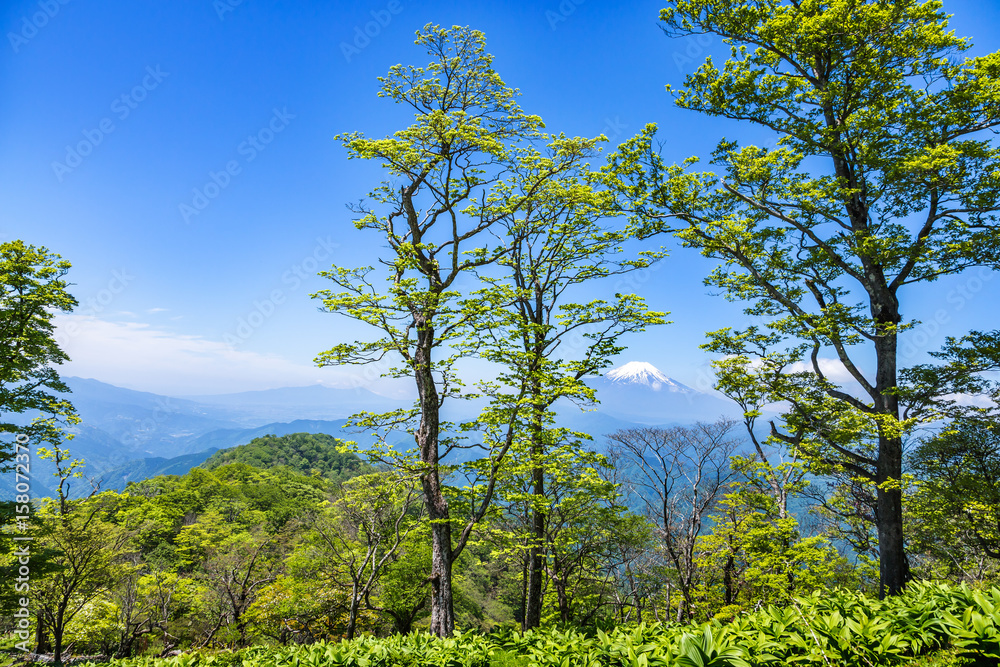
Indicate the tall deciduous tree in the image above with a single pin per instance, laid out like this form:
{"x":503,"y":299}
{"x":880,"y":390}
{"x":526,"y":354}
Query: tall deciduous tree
{"x":882,"y":179}
{"x":469,"y":136}
{"x":544,"y":342}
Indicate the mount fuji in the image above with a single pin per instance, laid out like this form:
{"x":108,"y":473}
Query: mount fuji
{"x":639,"y":391}
{"x":640,"y":372}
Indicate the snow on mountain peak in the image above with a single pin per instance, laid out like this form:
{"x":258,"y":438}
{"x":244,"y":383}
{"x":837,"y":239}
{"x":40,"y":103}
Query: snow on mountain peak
{"x":641,"y":372}
{"x":637,"y":371}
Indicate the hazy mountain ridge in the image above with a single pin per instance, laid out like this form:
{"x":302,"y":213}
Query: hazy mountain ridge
{"x":126,"y":435}
{"x":118,"y":478}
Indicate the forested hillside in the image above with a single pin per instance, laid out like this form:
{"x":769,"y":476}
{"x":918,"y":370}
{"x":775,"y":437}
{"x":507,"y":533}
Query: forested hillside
{"x":303,"y":453}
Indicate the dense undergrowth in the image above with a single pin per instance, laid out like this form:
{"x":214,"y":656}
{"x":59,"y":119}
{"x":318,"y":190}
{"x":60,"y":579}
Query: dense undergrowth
{"x":942,"y":625}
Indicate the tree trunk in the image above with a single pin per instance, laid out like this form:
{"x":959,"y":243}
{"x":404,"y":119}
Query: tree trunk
{"x":442,"y":606}
{"x":682,"y":606}
{"x":442,"y":602}
{"x":404,"y":620}
{"x":727,"y":579}
{"x":533,"y":607}
{"x":352,"y":614}
{"x":525,"y":561}
{"x":57,"y":637}
{"x":666,"y":606}
{"x":686,"y":602}
{"x":894,"y":571}
{"x":563,"y":598}
{"x":41,"y":638}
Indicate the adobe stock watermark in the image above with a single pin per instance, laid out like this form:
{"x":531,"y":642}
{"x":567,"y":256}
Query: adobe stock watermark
{"x":634,"y":281}
{"x":265,"y":308}
{"x":122,"y":106}
{"x":613,"y":128}
{"x":30,"y":25}
{"x":163,"y":408}
{"x":120,"y":279}
{"x":248,"y":149}
{"x":97,"y":303}
{"x":22,"y":542}
{"x":926,"y":333}
{"x":363,"y":35}
{"x":565,"y":9}
{"x":223,"y":7}
{"x":694,"y":49}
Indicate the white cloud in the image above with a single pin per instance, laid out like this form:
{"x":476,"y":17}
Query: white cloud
{"x":972,"y":400}
{"x":139,"y":356}
{"x":833,"y":369}
{"x":152,"y":311}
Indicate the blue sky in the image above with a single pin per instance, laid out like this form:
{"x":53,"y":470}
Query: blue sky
{"x":116,"y":117}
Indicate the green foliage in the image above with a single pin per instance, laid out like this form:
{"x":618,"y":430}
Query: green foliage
{"x":229,"y":498}
{"x":755,"y":552}
{"x":32,"y":290}
{"x":752,"y":556}
{"x":351,"y":541}
{"x":304,"y":453}
{"x":542,"y":343}
{"x":82,"y":550}
{"x":473,"y":177}
{"x":831,"y":629}
{"x":955,"y":503}
{"x":488,"y":222}
{"x":884,"y":175}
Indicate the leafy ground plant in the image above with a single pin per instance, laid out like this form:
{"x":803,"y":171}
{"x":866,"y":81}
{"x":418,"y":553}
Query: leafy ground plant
{"x":931,"y":625}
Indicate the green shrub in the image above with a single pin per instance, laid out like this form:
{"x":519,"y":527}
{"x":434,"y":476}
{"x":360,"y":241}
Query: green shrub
{"x":931,"y":625}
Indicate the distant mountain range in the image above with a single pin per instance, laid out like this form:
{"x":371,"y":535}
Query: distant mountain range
{"x":255,"y":408}
{"x":128,"y":435}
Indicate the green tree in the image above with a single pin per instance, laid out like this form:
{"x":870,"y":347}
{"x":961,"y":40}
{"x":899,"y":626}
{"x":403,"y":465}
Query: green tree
{"x":543,"y":342}
{"x":588,"y":534}
{"x":956,"y":502}
{"x":304,"y":453}
{"x":83,"y":554}
{"x":755,"y":555}
{"x":361,"y":533}
{"x":450,"y":170}
{"x":32,"y":289}
{"x":235,"y":570}
{"x":403,"y":592}
{"x":884,"y":177}
{"x":168,"y":601}
{"x":586,"y":525}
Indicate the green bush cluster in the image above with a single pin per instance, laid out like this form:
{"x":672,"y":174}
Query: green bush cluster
{"x":839,"y":628}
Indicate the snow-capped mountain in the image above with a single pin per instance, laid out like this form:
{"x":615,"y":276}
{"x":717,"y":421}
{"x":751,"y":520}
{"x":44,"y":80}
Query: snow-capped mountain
{"x":639,"y":391}
{"x":641,"y":372}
